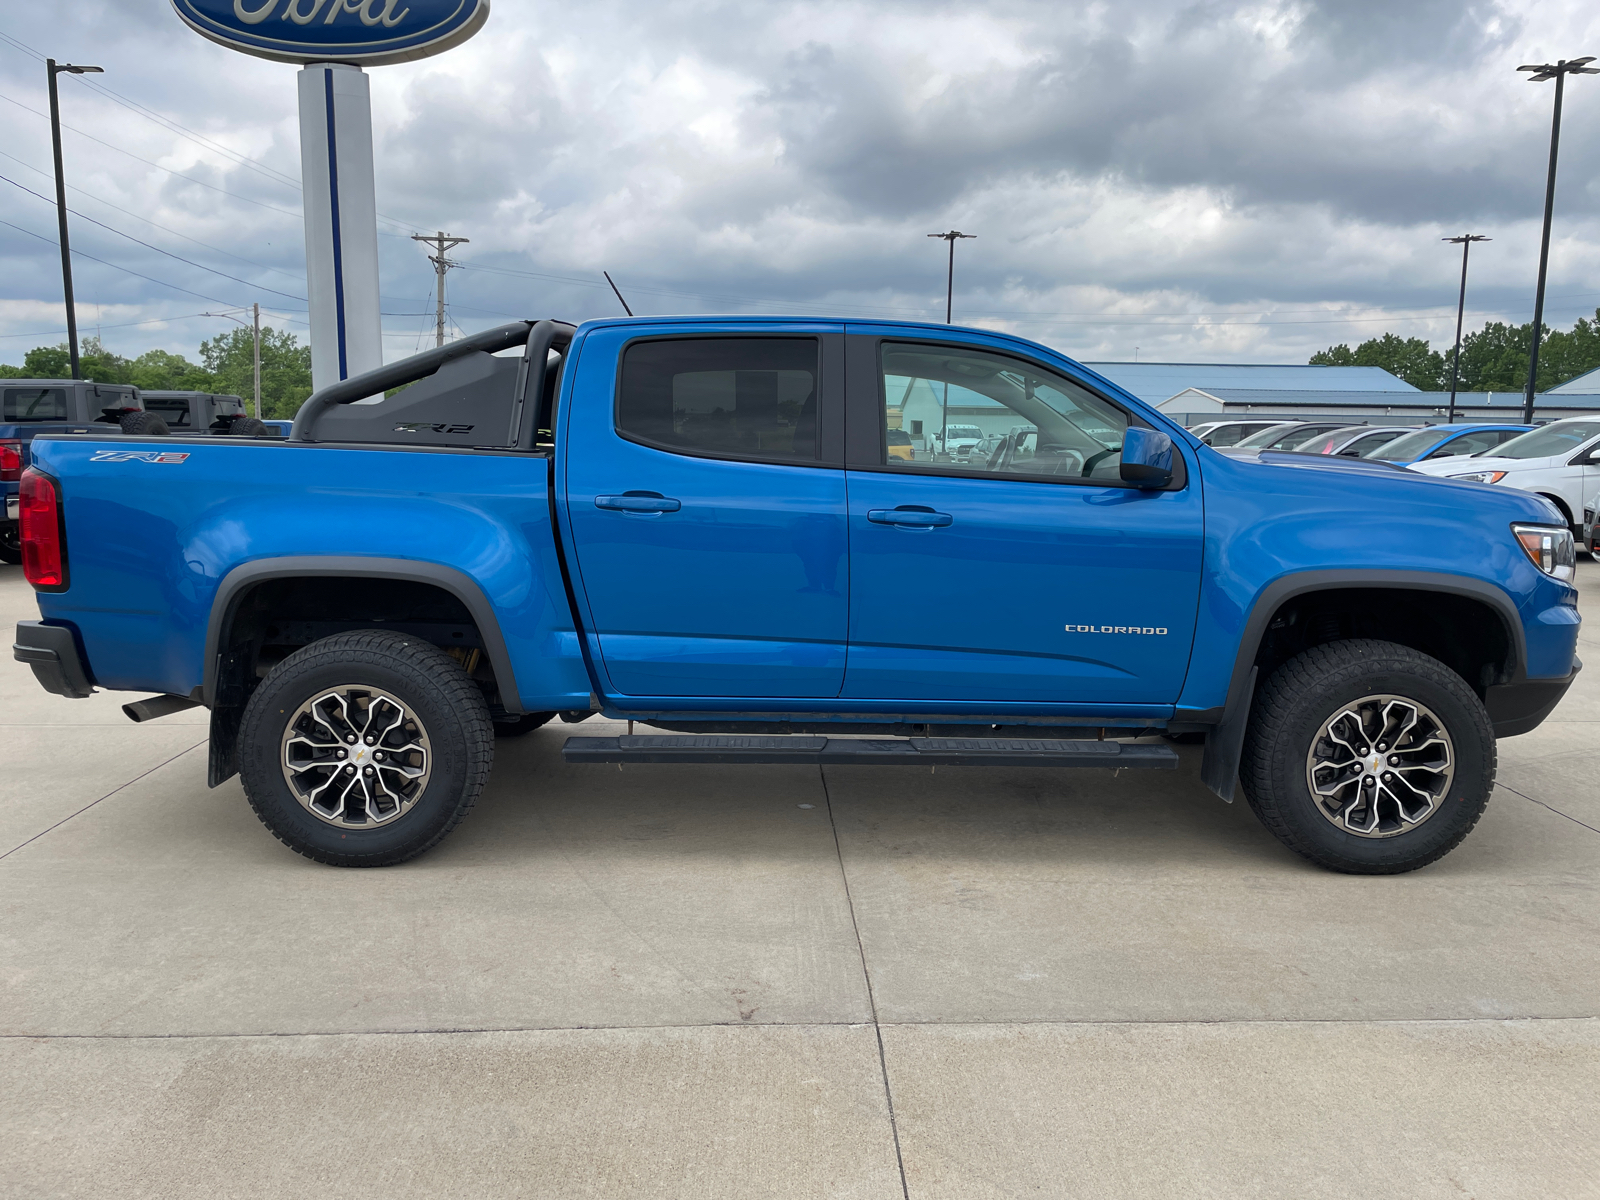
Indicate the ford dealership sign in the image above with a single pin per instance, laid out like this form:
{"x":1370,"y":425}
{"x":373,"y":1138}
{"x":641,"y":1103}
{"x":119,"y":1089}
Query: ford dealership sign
{"x":365,"y":32}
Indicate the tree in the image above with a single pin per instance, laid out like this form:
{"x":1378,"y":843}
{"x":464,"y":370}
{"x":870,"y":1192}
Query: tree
{"x":285,"y":368}
{"x":162,"y":371}
{"x":1409,"y":358}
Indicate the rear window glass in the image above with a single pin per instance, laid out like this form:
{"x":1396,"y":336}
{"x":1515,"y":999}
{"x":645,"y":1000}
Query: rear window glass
{"x":736,"y":397}
{"x":173,"y":412}
{"x":34,"y":404}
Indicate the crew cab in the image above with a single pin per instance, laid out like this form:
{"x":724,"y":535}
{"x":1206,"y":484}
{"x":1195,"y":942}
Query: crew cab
{"x":698,"y":525}
{"x":29,"y":407}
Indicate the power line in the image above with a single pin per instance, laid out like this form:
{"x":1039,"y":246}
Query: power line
{"x":148,"y":246}
{"x":153,"y":224}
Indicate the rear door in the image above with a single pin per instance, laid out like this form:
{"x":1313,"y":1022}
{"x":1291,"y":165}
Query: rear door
{"x":1029,"y":574}
{"x":704,"y":486}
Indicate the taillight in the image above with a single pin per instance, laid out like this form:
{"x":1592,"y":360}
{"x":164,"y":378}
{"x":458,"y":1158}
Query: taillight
{"x":10,"y":461}
{"x":44,"y":550}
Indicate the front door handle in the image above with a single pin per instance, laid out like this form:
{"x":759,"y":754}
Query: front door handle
{"x":910,"y":516}
{"x":638,"y":502}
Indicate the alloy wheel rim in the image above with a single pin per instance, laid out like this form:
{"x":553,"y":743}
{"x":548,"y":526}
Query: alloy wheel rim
{"x":1380,"y":766}
{"x":356,"y":757}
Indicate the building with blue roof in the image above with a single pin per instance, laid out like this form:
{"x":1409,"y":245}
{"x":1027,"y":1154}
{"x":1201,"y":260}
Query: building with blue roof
{"x":1154,"y":382}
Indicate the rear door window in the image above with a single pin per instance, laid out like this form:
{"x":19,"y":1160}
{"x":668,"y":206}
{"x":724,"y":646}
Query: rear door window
{"x":34,"y":404}
{"x":729,"y":397}
{"x":174,"y":412}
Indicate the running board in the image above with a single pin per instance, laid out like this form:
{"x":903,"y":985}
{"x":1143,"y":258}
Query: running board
{"x":937,"y":752}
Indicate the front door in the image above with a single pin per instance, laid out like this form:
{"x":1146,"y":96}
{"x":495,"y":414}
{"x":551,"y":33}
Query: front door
{"x":707,"y":511}
{"x":1022,"y":570}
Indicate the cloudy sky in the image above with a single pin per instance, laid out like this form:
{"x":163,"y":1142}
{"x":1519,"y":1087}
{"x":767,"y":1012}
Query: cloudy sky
{"x":1179,"y":181}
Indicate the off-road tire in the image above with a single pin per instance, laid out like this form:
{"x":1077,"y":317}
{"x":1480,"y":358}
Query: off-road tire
{"x":247,"y":427}
{"x":521,"y":724}
{"x":1289,"y":711}
{"x":143,"y":424}
{"x":422,"y":677}
{"x":11,"y":543}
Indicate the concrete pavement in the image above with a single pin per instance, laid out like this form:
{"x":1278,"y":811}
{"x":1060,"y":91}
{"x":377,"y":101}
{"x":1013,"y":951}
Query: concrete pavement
{"x":707,"y":982}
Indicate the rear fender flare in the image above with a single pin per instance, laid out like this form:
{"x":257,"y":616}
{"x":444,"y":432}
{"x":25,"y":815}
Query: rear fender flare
{"x":463,"y":587}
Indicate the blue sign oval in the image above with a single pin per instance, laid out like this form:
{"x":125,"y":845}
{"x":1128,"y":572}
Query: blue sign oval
{"x":367,"y":32}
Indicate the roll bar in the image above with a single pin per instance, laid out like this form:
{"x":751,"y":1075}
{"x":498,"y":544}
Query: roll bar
{"x":537,"y":336}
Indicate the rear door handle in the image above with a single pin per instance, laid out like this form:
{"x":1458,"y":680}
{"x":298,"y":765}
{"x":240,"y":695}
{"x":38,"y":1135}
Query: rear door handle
{"x":638,"y":502}
{"x":911,"y":517}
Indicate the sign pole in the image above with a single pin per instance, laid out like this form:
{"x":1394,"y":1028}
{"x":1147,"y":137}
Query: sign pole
{"x":341,"y":222}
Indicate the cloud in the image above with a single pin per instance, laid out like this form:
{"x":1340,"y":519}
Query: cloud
{"x":1240,"y":180}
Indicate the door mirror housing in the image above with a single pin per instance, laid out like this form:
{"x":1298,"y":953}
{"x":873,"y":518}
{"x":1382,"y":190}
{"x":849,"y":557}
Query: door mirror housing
{"x":1146,"y":458}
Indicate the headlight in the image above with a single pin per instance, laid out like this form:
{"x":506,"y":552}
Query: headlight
{"x":1550,"y":547}
{"x":1482,"y":476}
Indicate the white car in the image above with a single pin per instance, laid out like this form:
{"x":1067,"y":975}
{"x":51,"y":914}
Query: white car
{"x":1559,"y":461}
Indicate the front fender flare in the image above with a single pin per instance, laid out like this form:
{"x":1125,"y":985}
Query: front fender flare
{"x":1219,"y":769}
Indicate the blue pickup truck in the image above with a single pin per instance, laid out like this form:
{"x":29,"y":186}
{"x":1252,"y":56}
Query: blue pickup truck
{"x":698,"y":525}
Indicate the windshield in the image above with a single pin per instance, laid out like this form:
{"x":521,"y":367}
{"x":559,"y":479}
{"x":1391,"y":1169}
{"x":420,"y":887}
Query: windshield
{"x":1284,"y":439}
{"x":1552,"y":439}
{"x":1412,"y":445}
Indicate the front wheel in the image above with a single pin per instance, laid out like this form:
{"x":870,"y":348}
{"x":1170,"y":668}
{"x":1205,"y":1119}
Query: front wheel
{"x":365,"y":749}
{"x":1368,"y":757}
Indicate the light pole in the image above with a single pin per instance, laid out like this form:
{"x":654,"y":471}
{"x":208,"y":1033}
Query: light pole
{"x":61,"y":203}
{"x":950,"y":278}
{"x":1466,"y":241}
{"x":254,"y":325}
{"x":1541,"y":72}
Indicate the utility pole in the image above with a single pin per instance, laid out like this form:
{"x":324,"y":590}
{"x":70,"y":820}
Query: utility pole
{"x":950,"y":278}
{"x":254,"y":325}
{"x":1466,"y":241}
{"x":1541,"y":72}
{"x":61,"y":204}
{"x":441,"y":242}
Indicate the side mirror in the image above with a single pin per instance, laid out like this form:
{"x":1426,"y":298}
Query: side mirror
{"x":1146,"y":458}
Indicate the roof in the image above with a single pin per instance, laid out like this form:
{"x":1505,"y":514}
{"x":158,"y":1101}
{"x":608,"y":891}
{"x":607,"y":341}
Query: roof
{"x":1242,"y":401}
{"x":1585,"y":385}
{"x":1154,"y":382}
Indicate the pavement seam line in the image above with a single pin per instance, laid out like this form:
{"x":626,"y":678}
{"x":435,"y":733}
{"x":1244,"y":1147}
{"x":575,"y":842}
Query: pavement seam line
{"x":107,"y":796}
{"x":1543,"y":805}
{"x":1061,"y":1022}
{"x":866,"y":975}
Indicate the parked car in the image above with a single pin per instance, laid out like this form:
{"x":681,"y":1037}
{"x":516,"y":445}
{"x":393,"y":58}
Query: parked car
{"x":1353,"y":441}
{"x":1559,"y":461}
{"x":957,"y":440}
{"x":1290,"y":436}
{"x":1446,"y":441}
{"x":1229,"y":433}
{"x":29,"y":407}
{"x":633,"y":529}
{"x":186,"y":412}
{"x":899,"y":444}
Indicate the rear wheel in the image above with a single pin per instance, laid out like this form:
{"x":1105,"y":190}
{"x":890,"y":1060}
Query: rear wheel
{"x":11,"y":543}
{"x":365,"y":749}
{"x":1368,"y":757}
{"x":144,"y":424}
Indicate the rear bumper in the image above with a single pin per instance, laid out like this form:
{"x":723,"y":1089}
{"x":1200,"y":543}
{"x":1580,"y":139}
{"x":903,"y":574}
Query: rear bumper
{"x":1519,"y":707}
{"x":52,"y":652}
